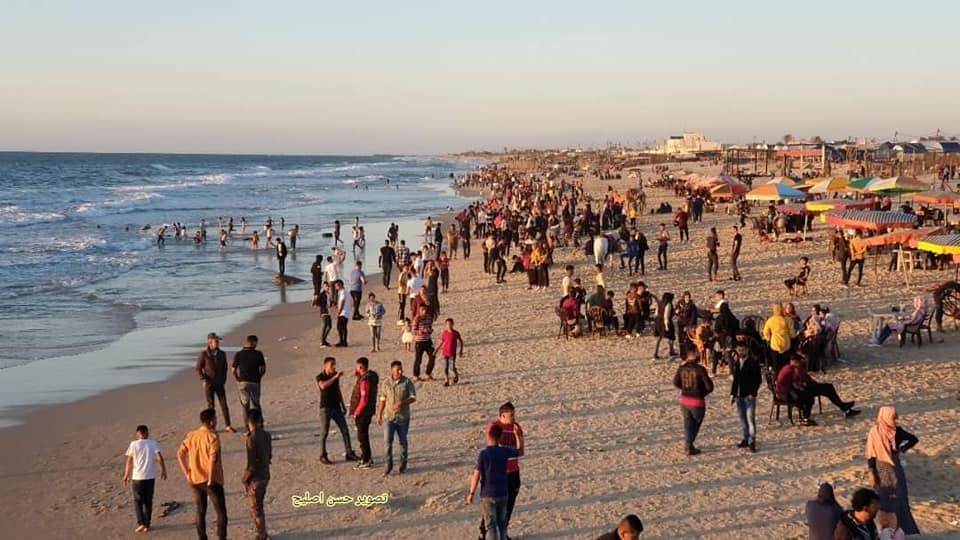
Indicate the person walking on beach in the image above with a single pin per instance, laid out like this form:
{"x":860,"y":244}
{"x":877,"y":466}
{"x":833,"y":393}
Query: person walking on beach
{"x":385,"y":263}
{"x":140,"y":470}
{"x":363,"y":403}
{"x":256,"y":475}
{"x":357,"y":280}
{"x":344,"y":308}
{"x":858,"y":254}
{"x":248,"y":368}
{"x":316,"y":272}
{"x":449,"y":339}
{"x":281,"y":256}
{"x":511,"y":437}
{"x":332,"y":409}
{"x":491,"y":475}
{"x":735,"y":252}
{"x":202,"y":466}
{"x":695,"y":385}
{"x":336,"y":234}
{"x":663,"y":237}
{"x":212,"y":368}
{"x":323,"y":304}
{"x":885,"y":442}
{"x":397,"y":393}
{"x":423,"y":342}
{"x":713,"y":257}
{"x":375,"y":312}
{"x":747,"y":378}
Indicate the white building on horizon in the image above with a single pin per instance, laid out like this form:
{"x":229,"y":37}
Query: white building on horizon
{"x":689,"y":143}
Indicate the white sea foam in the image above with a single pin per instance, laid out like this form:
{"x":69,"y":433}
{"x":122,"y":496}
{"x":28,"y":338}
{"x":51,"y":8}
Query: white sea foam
{"x":13,"y":214}
{"x":125,"y":197}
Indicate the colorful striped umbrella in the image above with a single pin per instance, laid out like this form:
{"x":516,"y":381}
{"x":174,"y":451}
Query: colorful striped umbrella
{"x":946,"y":244}
{"x":898,"y":184}
{"x":774,"y":192}
{"x":861,"y":184}
{"x":729,"y":190}
{"x":870,"y":220}
{"x":831,"y":185}
{"x":783,"y":180}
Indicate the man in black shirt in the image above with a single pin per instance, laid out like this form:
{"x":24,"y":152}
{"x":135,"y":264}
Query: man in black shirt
{"x":363,"y":403}
{"x":735,"y":252}
{"x":256,"y":476}
{"x":713,"y":258}
{"x":281,"y":256}
{"x":323,"y":304}
{"x":248,"y":369}
{"x":747,"y":378}
{"x":857,"y":524}
{"x":211,"y":366}
{"x":332,"y":408}
{"x":387,"y":256}
{"x":694,"y":384}
{"x":316,"y":270}
{"x":629,"y":528}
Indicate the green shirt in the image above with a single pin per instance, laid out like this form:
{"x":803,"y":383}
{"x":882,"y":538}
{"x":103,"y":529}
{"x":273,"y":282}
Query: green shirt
{"x":391,"y":392}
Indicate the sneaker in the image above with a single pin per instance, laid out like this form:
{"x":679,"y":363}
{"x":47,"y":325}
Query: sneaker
{"x":351,"y":456}
{"x":743,"y":444}
{"x":850,"y":413}
{"x":325,"y":460}
{"x":363,"y":465}
{"x":807,"y":422}
{"x":324,"y":345}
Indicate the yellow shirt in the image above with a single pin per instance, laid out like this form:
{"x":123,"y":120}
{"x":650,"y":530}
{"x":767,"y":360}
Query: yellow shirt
{"x":601,"y":281}
{"x":858,"y":251}
{"x":778,"y":332}
{"x":201,"y":450}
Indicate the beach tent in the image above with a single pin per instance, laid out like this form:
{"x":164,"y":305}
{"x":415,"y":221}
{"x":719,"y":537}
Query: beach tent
{"x":830,"y":185}
{"x":870,"y":220}
{"x":946,"y":244}
{"x":794,"y":210}
{"x":774,"y":192}
{"x":783,"y":180}
{"x":728,"y":191}
{"x":946,"y":198}
{"x":839,"y":204}
{"x":906,"y":237}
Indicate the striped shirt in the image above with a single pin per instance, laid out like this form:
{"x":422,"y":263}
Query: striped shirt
{"x":423,"y":329}
{"x":509,"y":439}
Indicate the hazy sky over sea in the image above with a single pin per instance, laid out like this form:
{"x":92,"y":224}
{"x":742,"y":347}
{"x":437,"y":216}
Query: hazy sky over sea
{"x":419,"y":76}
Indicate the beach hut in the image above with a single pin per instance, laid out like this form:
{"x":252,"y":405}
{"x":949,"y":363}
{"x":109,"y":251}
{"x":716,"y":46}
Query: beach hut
{"x":869,"y":220}
{"x":774,"y":192}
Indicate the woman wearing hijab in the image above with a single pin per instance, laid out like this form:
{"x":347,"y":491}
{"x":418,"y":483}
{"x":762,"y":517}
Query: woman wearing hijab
{"x":916,"y":317}
{"x":778,"y":333}
{"x":686,"y":318}
{"x":726,"y":327}
{"x":823,"y":514}
{"x":885,"y":441}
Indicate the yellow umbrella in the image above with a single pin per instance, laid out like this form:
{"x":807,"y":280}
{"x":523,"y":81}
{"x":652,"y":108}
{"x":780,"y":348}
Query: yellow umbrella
{"x":830,"y":185}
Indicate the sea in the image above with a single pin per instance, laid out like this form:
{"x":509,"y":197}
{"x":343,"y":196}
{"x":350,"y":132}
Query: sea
{"x":90,"y":302}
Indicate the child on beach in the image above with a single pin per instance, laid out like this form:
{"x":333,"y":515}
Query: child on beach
{"x":139,"y":469}
{"x":448,"y":346}
{"x":407,"y":337}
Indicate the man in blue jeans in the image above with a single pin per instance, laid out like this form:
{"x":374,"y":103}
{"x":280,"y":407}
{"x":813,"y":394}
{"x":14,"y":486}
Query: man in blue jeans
{"x":491,"y":475}
{"x":332,"y":408}
{"x":694,"y":384}
{"x":747,"y":378}
{"x":396,"y":394}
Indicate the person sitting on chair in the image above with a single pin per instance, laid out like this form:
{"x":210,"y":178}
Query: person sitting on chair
{"x":899,"y":325}
{"x":794,"y":284}
{"x":796,"y":387}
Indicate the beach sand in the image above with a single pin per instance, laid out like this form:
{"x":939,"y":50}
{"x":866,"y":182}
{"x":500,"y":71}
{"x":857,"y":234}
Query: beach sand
{"x":603,"y":428}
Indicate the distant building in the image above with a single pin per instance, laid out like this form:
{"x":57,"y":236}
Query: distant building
{"x":690,"y":143}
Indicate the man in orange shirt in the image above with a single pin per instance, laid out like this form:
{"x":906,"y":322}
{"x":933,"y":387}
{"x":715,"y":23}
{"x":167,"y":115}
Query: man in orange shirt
{"x":200,"y":461}
{"x":858,"y":253}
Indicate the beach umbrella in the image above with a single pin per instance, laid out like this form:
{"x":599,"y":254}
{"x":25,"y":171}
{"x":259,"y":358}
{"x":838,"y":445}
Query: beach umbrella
{"x":897,"y":184}
{"x":783,"y":180}
{"x":907,"y":237}
{"x":937,"y":197}
{"x":830,"y":185}
{"x":774,"y":192}
{"x":793,"y":210}
{"x":946,"y":244}
{"x":729,"y":190}
{"x":861,"y":184}
{"x":870,"y":220}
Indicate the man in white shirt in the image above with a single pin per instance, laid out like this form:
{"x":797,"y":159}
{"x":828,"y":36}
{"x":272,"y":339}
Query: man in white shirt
{"x":567,"y":281}
{"x":414,"y":285}
{"x":140,"y":467}
{"x":344,"y":311}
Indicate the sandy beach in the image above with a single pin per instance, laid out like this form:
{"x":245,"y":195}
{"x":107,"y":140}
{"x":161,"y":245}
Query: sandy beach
{"x":602,"y":423}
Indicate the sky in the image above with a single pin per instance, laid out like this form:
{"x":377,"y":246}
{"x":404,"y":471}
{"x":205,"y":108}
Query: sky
{"x":317,"y":77}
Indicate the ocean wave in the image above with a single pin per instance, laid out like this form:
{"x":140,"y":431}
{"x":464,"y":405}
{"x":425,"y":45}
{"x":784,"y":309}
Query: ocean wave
{"x":105,"y":207}
{"x":160,"y":167}
{"x":192,"y":181}
{"x":13,"y":214}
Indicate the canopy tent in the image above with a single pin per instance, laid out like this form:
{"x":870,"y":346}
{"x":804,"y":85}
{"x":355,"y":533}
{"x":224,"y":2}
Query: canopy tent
{"x":783,"y":180}
{"x":907,"y":237}
{"x":870,"y":220}
{"x":897,"y":184}
{"x":774,"y":192}
{"x":946,"y":244}
{"x":839,"y":204}
{"x":831,"y":185}
{"x":937,"y":197}
{"x":861,"y":184}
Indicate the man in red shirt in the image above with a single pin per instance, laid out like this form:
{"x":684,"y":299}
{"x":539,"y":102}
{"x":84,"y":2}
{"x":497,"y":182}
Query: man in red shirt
{"x":511,"y":437}
{"x":448,"y":347}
